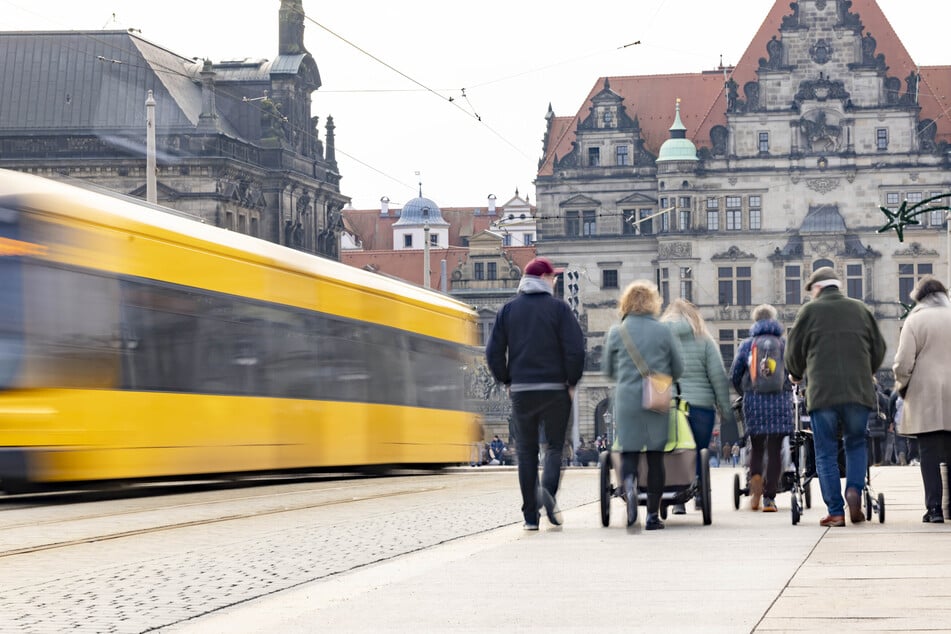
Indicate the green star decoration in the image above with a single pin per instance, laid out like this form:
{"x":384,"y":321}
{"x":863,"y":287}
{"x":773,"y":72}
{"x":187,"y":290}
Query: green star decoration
{"x":905,"y":215}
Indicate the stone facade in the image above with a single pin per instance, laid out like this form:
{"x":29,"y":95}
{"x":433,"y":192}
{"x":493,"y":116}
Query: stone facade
{"x":790,"y":178}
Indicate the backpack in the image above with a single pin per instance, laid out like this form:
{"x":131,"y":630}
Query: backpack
{"x":767,"y":373}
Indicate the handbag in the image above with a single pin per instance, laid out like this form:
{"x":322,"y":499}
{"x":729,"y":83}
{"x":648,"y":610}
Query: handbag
{"x":657,"y":387}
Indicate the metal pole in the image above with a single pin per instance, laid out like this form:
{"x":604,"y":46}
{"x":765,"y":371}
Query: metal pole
{"x":426,"y":272}
{"x":150,"y":184}
{"x":947,"y":221}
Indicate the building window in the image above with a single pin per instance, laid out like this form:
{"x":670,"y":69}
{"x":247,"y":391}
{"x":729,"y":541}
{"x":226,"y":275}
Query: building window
{"x":914,"y":197}
{"x":881,"y":139}
{"x":685,"y":201}
{"x":594,"y":156}
{"x":229,"y":220}
{"x":507,"y":240}
{"x":727,"y":346}
{"x":686,"y":283}
{"x":572,"y":223}
{"x":628,"y":226}
{"x":588,"y":227}
{"x":734,"y":283}
{"x":491,"y":271}
{"x":937,"y":217}
{"x":478,"y":271}
{"x":713,"y":203}
{"x":609,"y":278}
{"x":908,"y":276}
{"x":764,"y":142}
{"x":665,"y":222}
{"x":663,"y":284}
{"x":892,"y":198}
{"x":713,"y":220}
{"x":647,"y":224}
{"x":734,"y":213}
{"x":793,"y":285}
{"x":663,"y":203}
{"x":254,"y":226}
{"x":684,"y":219}
{"x":756,"y":213}
{"x":434,"y":239}
{"x":528,"y":239}
{"x":242,"y":223}
{"x":853,"y":281}
{"x":407,"y":240}
{"x":622,"y":156}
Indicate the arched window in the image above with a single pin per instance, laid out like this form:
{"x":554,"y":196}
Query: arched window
{"x":818,"y":264}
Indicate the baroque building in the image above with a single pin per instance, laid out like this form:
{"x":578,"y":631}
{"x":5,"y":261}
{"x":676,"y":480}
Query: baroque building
{"x":236,"y":145}
{"x":729,"y":187}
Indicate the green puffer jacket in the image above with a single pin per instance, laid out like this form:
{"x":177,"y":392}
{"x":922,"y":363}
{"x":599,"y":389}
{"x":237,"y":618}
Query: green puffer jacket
{"x":704,"y":382}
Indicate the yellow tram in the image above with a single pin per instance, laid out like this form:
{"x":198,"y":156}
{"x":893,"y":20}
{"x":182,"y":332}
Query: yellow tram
{"x":137,"y":344}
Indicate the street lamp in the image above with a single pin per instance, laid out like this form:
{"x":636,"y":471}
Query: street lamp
{"x":426,"y":272}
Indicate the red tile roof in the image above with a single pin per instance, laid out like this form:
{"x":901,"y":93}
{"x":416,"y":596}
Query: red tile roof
{"x":651,"y":98}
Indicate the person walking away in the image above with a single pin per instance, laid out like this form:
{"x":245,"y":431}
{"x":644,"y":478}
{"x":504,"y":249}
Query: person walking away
{"x":536,"y":350}
{"x":735,"y":454}
{"x":640,"y":430}
{"x":758,"y":373}
{"x":704,"y":384}
{"x":923,"y":382}
{"x":836,"y":346}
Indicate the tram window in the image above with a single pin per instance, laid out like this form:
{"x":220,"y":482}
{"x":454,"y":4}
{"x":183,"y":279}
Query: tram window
{"x":343,"y":361}
{"x":72,"y":324}
{"x":290,"y":358}
{"x":11,"y":301}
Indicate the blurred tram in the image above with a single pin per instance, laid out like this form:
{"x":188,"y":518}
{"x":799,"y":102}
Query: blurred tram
{"x":135,"y":344}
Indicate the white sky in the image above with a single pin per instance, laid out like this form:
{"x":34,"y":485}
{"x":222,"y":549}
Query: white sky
{"x":512,"y":58}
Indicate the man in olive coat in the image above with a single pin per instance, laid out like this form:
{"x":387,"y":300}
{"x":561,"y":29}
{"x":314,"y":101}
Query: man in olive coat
{"x":836,"y":346}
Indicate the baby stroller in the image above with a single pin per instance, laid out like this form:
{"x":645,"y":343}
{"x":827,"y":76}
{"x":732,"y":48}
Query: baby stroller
{"x":794,"y":447}
{"x":681,"y":483}
{"x":803,"y":455}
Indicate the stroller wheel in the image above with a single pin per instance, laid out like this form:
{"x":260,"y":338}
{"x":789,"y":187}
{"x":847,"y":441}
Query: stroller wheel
{"x":606,"y":490}
{"x":794,"y":509}
{"x":807,"y":490}
{"x":868,"y":504}
{"x":705,"y":495}
{"x":736,"y":491}
{"x":881,"y":508}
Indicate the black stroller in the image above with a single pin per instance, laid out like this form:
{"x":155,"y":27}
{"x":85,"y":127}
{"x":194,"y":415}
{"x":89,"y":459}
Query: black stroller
{"x":800,"y":454}
{"x":803,"y":454}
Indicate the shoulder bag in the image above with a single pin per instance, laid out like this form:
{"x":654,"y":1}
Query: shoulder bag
{"x":657,"y":387}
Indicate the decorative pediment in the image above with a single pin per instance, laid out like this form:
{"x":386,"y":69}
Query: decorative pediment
{"x":822,"y":89}
{"x":733,"y":253}
{"x":637,"y":198}
{"x":916,"y":250}
{"x":580,"y":200}
{"x":673,"y":250}
{"x":823,"y":219}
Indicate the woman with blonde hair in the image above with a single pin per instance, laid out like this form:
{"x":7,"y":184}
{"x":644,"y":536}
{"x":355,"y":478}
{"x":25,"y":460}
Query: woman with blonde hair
{"x":639,"y":429}
{"x":704,"y":384}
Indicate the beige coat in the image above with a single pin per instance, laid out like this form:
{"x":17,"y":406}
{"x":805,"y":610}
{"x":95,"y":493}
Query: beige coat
{"x":922,"y":363}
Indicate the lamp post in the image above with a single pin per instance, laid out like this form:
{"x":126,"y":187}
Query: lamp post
{"x":426,"y":272}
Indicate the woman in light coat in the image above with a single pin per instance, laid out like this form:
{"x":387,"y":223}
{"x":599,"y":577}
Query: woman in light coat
{"x":923,"y":380}
{"x":639,"y":429}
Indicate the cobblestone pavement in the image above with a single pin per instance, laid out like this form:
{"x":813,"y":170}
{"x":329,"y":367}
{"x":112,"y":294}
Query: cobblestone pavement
{"x":154,"y":578}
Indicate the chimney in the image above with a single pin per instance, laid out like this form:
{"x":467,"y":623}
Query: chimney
{"x":385,"y":206}
{"x":291,"y":28}
{"x":491,"y":204}
{"x":208,"y":109}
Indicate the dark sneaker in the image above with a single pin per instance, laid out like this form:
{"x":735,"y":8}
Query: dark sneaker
{"x":854,"y":499}
{"x":547,"y":501}
{"x":678,"y":509}
{"x":933,"y":517}
{"x":769,"y":505}
{"x":528,"y":526}
{"x":653,"y":522}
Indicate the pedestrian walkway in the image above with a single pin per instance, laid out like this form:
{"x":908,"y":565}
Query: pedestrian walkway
{"x":746,"y":572}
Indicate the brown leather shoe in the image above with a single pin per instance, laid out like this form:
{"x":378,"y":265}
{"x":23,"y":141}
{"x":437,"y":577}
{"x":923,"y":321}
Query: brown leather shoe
{"x":854,"y":499}
{"x":832,"y":520}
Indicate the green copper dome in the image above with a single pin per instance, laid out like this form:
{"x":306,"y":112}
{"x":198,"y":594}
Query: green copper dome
{"x":678,"y":147}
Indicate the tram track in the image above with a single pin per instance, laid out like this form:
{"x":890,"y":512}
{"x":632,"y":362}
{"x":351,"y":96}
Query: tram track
{"x":192,"y":523}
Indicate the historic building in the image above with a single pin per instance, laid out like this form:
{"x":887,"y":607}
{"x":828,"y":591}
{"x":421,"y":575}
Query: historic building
{"x":236,"y":143}
{"x":730,"y":187}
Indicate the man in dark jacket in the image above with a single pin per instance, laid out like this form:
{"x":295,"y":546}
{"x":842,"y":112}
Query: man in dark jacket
{"x":537,"y":350}
{"x":836,"y":346}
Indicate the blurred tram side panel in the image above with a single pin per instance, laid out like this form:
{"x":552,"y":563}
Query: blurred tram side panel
{"x":136,"y":344}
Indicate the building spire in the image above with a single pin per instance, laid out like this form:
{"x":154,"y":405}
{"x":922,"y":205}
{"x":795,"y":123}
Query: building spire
{"x":291,"y":28}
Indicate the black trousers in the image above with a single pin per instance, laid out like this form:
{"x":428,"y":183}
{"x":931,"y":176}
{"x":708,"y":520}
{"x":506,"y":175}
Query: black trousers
{"x":933,"y":448}
{"x":548,"y":410}
{"x":770,"y":445}
{"x":655,"y":474}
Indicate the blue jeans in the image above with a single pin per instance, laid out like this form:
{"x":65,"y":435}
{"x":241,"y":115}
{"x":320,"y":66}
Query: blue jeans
{"x":825,"y":434}
{"x":550,"y":410}
{"x":701,"y":421}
